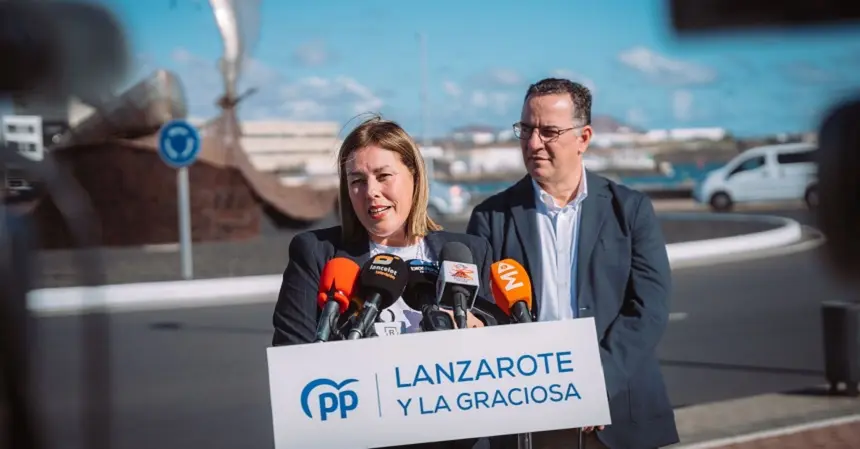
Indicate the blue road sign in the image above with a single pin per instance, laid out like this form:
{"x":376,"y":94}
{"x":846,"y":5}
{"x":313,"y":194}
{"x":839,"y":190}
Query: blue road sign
{"x":178,"y":143}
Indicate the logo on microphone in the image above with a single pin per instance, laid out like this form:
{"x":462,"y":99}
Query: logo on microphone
{"x":342,"y":400}
{"x":461,"y":271}
{"x":423,"y":266}
{"x":381,"y":266}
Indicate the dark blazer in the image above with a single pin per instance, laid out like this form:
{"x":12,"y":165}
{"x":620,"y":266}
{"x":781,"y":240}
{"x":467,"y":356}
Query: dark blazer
{"x":296,"y":312}
{"x":624,"y":282}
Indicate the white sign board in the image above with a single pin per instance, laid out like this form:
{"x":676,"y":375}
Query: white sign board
{"x":437,"y":386}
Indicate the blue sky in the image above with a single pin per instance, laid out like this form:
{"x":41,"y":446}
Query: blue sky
{"x":332,"y":59}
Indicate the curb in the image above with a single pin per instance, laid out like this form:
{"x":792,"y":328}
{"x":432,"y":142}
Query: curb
{"x":789,"y":231}
{"x":263,"y":289}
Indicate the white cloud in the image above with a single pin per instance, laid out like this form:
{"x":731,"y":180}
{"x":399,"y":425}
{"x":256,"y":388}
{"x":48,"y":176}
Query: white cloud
{"x":682,"y":104}
{"x":505,"y":77}
{"x":311,"y":98}
{"x":312,"y":54}
{"x":495,"y":102}
{"x":453,"y":89}
{"x":636,"y":116}
{"x":318,"y":98}
{"x":661,"y":69}
{"x":576,"y":77}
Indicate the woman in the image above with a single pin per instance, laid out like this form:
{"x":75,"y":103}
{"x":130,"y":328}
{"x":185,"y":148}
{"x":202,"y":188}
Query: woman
{"x":383,"y":208}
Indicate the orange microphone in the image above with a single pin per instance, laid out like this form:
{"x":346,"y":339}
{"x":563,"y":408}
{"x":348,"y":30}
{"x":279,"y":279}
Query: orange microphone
{"x":337,"y":285}
{"x":512,"y":289}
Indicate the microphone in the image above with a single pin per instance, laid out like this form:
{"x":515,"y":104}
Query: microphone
{"x":337,"y":284}
{"x":420,"y":285}
{"x":420,"y":294}
{"x":381,"y":282}
{"x":435,"y":319}
{"x":512,"y":289}
{"x":457,"y":285}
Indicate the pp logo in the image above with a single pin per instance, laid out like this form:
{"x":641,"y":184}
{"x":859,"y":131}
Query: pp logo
{"x":341,"y":400}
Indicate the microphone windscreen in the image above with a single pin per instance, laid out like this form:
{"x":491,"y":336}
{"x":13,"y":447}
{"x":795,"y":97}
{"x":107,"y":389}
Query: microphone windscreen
{"x":61,"y":49}
{"x":423,"y":266}
{"x":456,"y":252}
{"x":510,"y":284}
{"x":420,"y":288}
{"x":338,"y":282}
{"x":385,"y":274}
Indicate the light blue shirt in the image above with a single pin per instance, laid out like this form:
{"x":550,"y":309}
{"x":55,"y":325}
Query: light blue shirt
{"x":558,"y":229}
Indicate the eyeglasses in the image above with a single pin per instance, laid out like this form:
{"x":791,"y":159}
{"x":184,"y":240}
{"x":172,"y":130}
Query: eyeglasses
{"x":524,"y":132}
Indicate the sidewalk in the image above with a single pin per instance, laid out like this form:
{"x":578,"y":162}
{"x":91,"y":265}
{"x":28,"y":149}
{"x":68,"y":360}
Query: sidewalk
{"x":839,"y":436}
{"x":805,"y":419}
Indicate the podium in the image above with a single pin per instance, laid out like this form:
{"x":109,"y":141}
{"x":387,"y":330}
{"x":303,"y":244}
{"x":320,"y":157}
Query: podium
{"x":437,"y":386}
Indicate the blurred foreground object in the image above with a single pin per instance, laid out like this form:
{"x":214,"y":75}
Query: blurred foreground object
{"x":701,"y":16}
{"x":841,"y":324}
{"x":839,"y":189}
{"x":53,"y":52}
{"x":18,"y":419}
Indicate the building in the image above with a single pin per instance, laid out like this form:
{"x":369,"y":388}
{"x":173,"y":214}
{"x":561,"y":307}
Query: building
{"x":24,"y":133}
{"x":297,"y":152}
{"x":686,"y":134}
{"x":475,"y":135}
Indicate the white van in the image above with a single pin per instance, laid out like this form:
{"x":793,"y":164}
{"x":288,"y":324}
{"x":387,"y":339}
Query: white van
{"x":761,"y":174}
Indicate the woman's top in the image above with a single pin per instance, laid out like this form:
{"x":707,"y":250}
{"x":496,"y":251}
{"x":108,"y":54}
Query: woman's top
{"x":399,"y":312}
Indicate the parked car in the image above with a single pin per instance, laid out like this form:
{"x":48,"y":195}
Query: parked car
{"x":447,"y":200}
{"x":761,"y":174}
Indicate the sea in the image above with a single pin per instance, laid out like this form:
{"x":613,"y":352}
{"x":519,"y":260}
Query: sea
{"x":684,"y":176}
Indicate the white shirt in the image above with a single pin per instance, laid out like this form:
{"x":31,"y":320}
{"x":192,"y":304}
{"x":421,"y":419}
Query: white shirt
{"x":399,"y":311}
{"x":558,"y":228}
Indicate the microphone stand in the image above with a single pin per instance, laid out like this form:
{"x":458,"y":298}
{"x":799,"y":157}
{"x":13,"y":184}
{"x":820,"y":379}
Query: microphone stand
{"x":524,"y":441}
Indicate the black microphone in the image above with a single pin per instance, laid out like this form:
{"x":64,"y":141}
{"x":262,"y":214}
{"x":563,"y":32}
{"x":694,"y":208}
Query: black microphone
{"x":435,"y":319}
{"x":381,"y":282}
{"x":458,"y":282}
{"x":420,"y":288}
{"x":420,"y":294}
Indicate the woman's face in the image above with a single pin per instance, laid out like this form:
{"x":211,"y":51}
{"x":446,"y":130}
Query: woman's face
{"x":380,"y":189}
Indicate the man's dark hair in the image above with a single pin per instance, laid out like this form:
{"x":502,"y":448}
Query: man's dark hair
{"x":579,"y":94}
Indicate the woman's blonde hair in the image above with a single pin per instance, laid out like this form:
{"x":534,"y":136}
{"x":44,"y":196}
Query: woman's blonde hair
{"x":388,"y":135}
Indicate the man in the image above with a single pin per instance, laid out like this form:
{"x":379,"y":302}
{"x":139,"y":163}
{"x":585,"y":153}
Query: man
{"x":593,"y":248}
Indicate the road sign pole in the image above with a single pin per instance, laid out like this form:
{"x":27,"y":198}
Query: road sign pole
{"x":179,"y":145}
{"x":183,"y":200}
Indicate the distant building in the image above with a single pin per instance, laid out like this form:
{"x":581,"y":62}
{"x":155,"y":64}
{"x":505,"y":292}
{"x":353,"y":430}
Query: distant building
{"x":609,"y":132}
{"x":24,"y":134}
{"x":682,"y":134}
{"x":475,"y":135}
{"x":298,"y":152}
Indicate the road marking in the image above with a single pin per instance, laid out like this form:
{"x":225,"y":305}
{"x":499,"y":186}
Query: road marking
{"x":789,"y":430}
{"x":677,"y":316}
{"x":161,"y":248}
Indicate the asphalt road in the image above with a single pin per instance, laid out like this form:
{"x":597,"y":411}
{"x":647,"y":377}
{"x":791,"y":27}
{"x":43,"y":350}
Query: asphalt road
{"x":268,"y":253}
{"x":197,"y":378}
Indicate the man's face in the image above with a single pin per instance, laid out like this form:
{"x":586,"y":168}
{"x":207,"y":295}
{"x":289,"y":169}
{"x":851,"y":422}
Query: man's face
{"x":549,"y":156}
